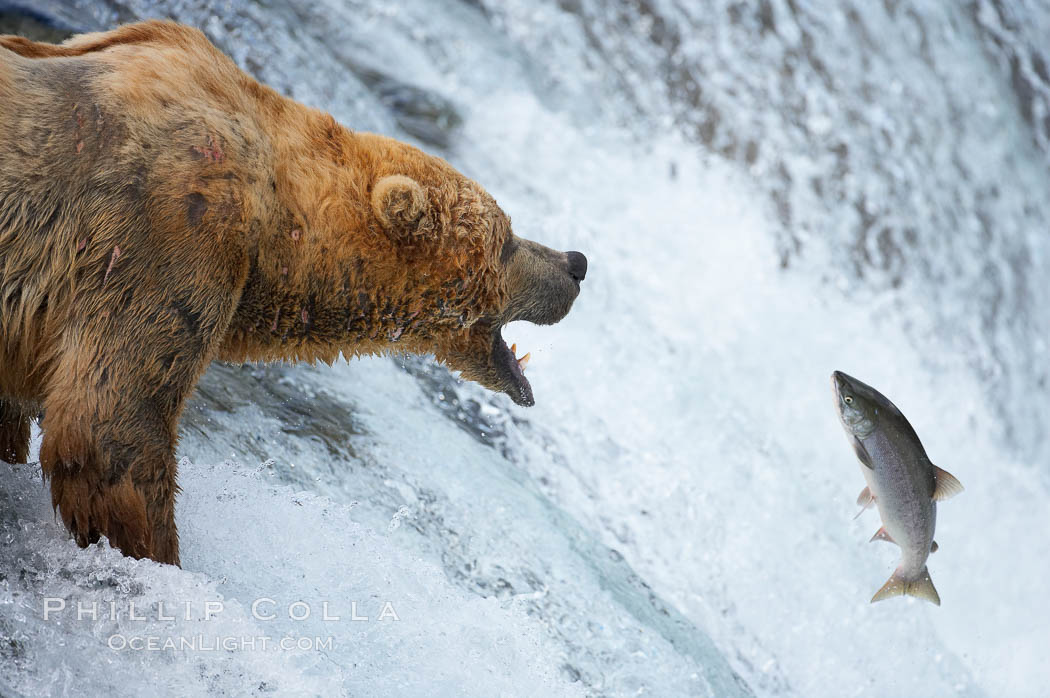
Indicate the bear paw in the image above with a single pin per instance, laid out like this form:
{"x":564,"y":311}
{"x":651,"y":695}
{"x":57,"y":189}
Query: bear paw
{"x":90,"y":510}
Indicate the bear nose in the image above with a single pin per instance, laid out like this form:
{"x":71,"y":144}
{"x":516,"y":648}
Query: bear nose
{"x":577,"y":265}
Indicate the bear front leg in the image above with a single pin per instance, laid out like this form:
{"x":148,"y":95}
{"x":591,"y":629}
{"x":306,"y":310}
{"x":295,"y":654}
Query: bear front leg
{"x":110,"y":433}
{"x":154,"y":289}
{"x":14,"y":433}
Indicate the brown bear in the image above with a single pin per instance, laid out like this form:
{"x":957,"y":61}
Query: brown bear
{"x":160,"y":209}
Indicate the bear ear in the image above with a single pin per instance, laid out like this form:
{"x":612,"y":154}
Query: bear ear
{"x":398,"y":202}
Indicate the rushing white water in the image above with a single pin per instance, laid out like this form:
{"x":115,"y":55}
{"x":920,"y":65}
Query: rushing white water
{"x":765,"y":192}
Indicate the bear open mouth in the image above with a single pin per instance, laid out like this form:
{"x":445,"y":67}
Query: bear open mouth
{"x":512,"y":371}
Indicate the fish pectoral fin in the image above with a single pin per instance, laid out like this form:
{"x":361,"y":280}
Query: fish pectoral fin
{"x":934,"y":548}
{"x":862,"y":453}
{"x":865,"y":500}
{"x":946,"y":485}
{"x":882,"y":534}
{"x":921,"y":588}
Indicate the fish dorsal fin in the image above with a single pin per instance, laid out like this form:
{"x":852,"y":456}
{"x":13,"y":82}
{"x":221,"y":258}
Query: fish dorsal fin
{"x":946,"y":485}
{"x":934,"y":548}
{"x":882,"y":534}
{"x":865,"y":500}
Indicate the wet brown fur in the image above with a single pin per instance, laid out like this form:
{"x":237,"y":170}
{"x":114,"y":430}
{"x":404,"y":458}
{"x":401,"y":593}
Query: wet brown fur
{"x":160,"y":209}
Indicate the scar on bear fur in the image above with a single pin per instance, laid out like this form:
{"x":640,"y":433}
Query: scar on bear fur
{"x":160,"y":209}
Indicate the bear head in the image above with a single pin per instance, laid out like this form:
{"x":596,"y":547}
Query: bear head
{"x":470,"y":276}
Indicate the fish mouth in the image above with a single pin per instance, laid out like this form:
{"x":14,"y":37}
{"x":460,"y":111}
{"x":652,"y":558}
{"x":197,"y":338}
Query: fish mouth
{"x":839,"y":380}
{"x":842,"y":382}
{"x":510,"y":370}
{"x":848,"y":404}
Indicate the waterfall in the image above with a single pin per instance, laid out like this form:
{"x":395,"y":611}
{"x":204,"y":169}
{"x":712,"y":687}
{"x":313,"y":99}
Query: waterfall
{"x":766,"y":192}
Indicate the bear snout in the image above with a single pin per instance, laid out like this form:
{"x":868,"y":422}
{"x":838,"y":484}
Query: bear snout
{"x":544,"y":283}
{"x":577,"y":265}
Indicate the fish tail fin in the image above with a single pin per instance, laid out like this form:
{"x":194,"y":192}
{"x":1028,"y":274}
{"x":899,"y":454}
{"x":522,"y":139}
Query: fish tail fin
{"x":922,"y":588}
{"x":898,"y":585}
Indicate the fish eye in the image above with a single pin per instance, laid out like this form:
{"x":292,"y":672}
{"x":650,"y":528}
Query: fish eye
{"x":848,"y":400}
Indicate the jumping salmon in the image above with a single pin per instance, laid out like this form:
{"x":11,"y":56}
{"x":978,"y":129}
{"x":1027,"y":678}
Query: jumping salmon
{"x":902,"y":482}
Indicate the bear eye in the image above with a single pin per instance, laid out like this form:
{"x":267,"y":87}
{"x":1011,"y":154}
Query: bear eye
{"x":848,"y":400}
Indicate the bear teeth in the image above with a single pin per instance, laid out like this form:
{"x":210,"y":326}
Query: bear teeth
{"x":523,"y":361}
